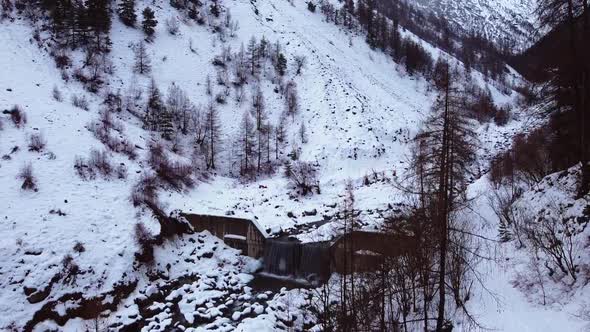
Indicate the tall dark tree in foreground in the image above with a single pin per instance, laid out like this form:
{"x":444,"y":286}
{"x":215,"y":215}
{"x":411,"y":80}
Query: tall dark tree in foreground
{"x":445,"y":150}
{"x":127,"y":12}
{"x":568,"y":93}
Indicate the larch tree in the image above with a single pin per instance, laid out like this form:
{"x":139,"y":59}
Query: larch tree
{"x":246,"y":142}
{"x":446,"y":150}
{"x":260,"y":118}
{"x":142,"y":60}
{"x":253,"y":56}
{"x":212,"y":135}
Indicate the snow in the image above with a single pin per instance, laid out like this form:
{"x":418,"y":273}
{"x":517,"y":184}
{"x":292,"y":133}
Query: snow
{"x":503,"y":306}
{"x":499,"y":20}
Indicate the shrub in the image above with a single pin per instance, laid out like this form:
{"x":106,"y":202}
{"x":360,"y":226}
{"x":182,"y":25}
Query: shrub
{"x":502,"y":116}
{"x":100,"y":161}
{"x":18,"y":116}
{"x":26,"y":174}
{"x":174,"y":175}
{"x":70,"y":269}
{"x":97,"y":163}
{"x":220,"y":98}
{"x":129,"y":149}
{"x":79,"y":247}
{"x":311,"y":7}
{"x":145,"y":190}
{"x":82,"y":169}
{"x":36,"y":142}
{"x":80,"y":102}
{"x":62,"y":61}
{"x":303,"y":177}
{"x":145,"y":242}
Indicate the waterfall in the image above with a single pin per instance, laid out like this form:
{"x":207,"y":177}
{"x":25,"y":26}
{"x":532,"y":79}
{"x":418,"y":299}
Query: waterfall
{"x":281,"y":257}
{"x":291,"y":258}
{"x":315,"y":261}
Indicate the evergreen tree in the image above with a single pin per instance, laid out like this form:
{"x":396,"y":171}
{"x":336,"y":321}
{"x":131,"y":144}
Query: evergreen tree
{"x":154,"y":107}
{"x":166,"y":124}
{"x":127,"y":12}
{"x":214,"y":8}
{"x":149,"y":21}
{"x":263,"y":48}
{"x":98,"y":20}
{"x":281,"y":64}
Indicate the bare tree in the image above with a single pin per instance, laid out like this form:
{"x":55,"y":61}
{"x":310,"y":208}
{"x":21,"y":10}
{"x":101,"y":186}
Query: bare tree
{"x":212,"y":135}
{"x":259,"y":115}
{"x":303,"y":177}
{"x":300,"y":61}
{"x":445,"y":150}
{"x":142,"y":60}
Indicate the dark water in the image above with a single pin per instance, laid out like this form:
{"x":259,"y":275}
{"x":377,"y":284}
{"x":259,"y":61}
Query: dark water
{"x":264,"y":282}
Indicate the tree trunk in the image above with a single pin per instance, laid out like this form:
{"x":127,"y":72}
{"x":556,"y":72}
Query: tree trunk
{"x":442,"y":213}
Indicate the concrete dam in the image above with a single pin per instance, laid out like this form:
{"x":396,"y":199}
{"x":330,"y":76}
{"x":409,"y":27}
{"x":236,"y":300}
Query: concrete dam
{"x":288,"y":257}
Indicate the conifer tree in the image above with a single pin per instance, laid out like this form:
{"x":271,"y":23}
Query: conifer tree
{"x":142,"y":60}
{"x":212,"y":135}
{"x":166,"y":124}
{"x":214,"y":8}
{"x":281,"y":64}
{"x":127,"y":12}
{"x":98,"y":20}
{"x":149,"y":21}
{"x":154,"y":107}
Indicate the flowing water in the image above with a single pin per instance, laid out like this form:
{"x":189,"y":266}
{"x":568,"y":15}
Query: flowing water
{"x":291,"y":258}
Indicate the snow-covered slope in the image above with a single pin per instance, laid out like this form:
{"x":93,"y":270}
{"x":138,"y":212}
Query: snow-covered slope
{"x":498,"y":20}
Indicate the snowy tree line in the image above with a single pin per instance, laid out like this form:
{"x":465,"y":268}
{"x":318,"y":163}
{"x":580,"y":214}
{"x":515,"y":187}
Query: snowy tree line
{"x":381,"y":22}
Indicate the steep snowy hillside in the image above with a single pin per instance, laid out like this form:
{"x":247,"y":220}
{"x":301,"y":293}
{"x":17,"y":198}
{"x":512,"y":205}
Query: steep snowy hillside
{"x":505,"y":20}
{"x":72,"y":241}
